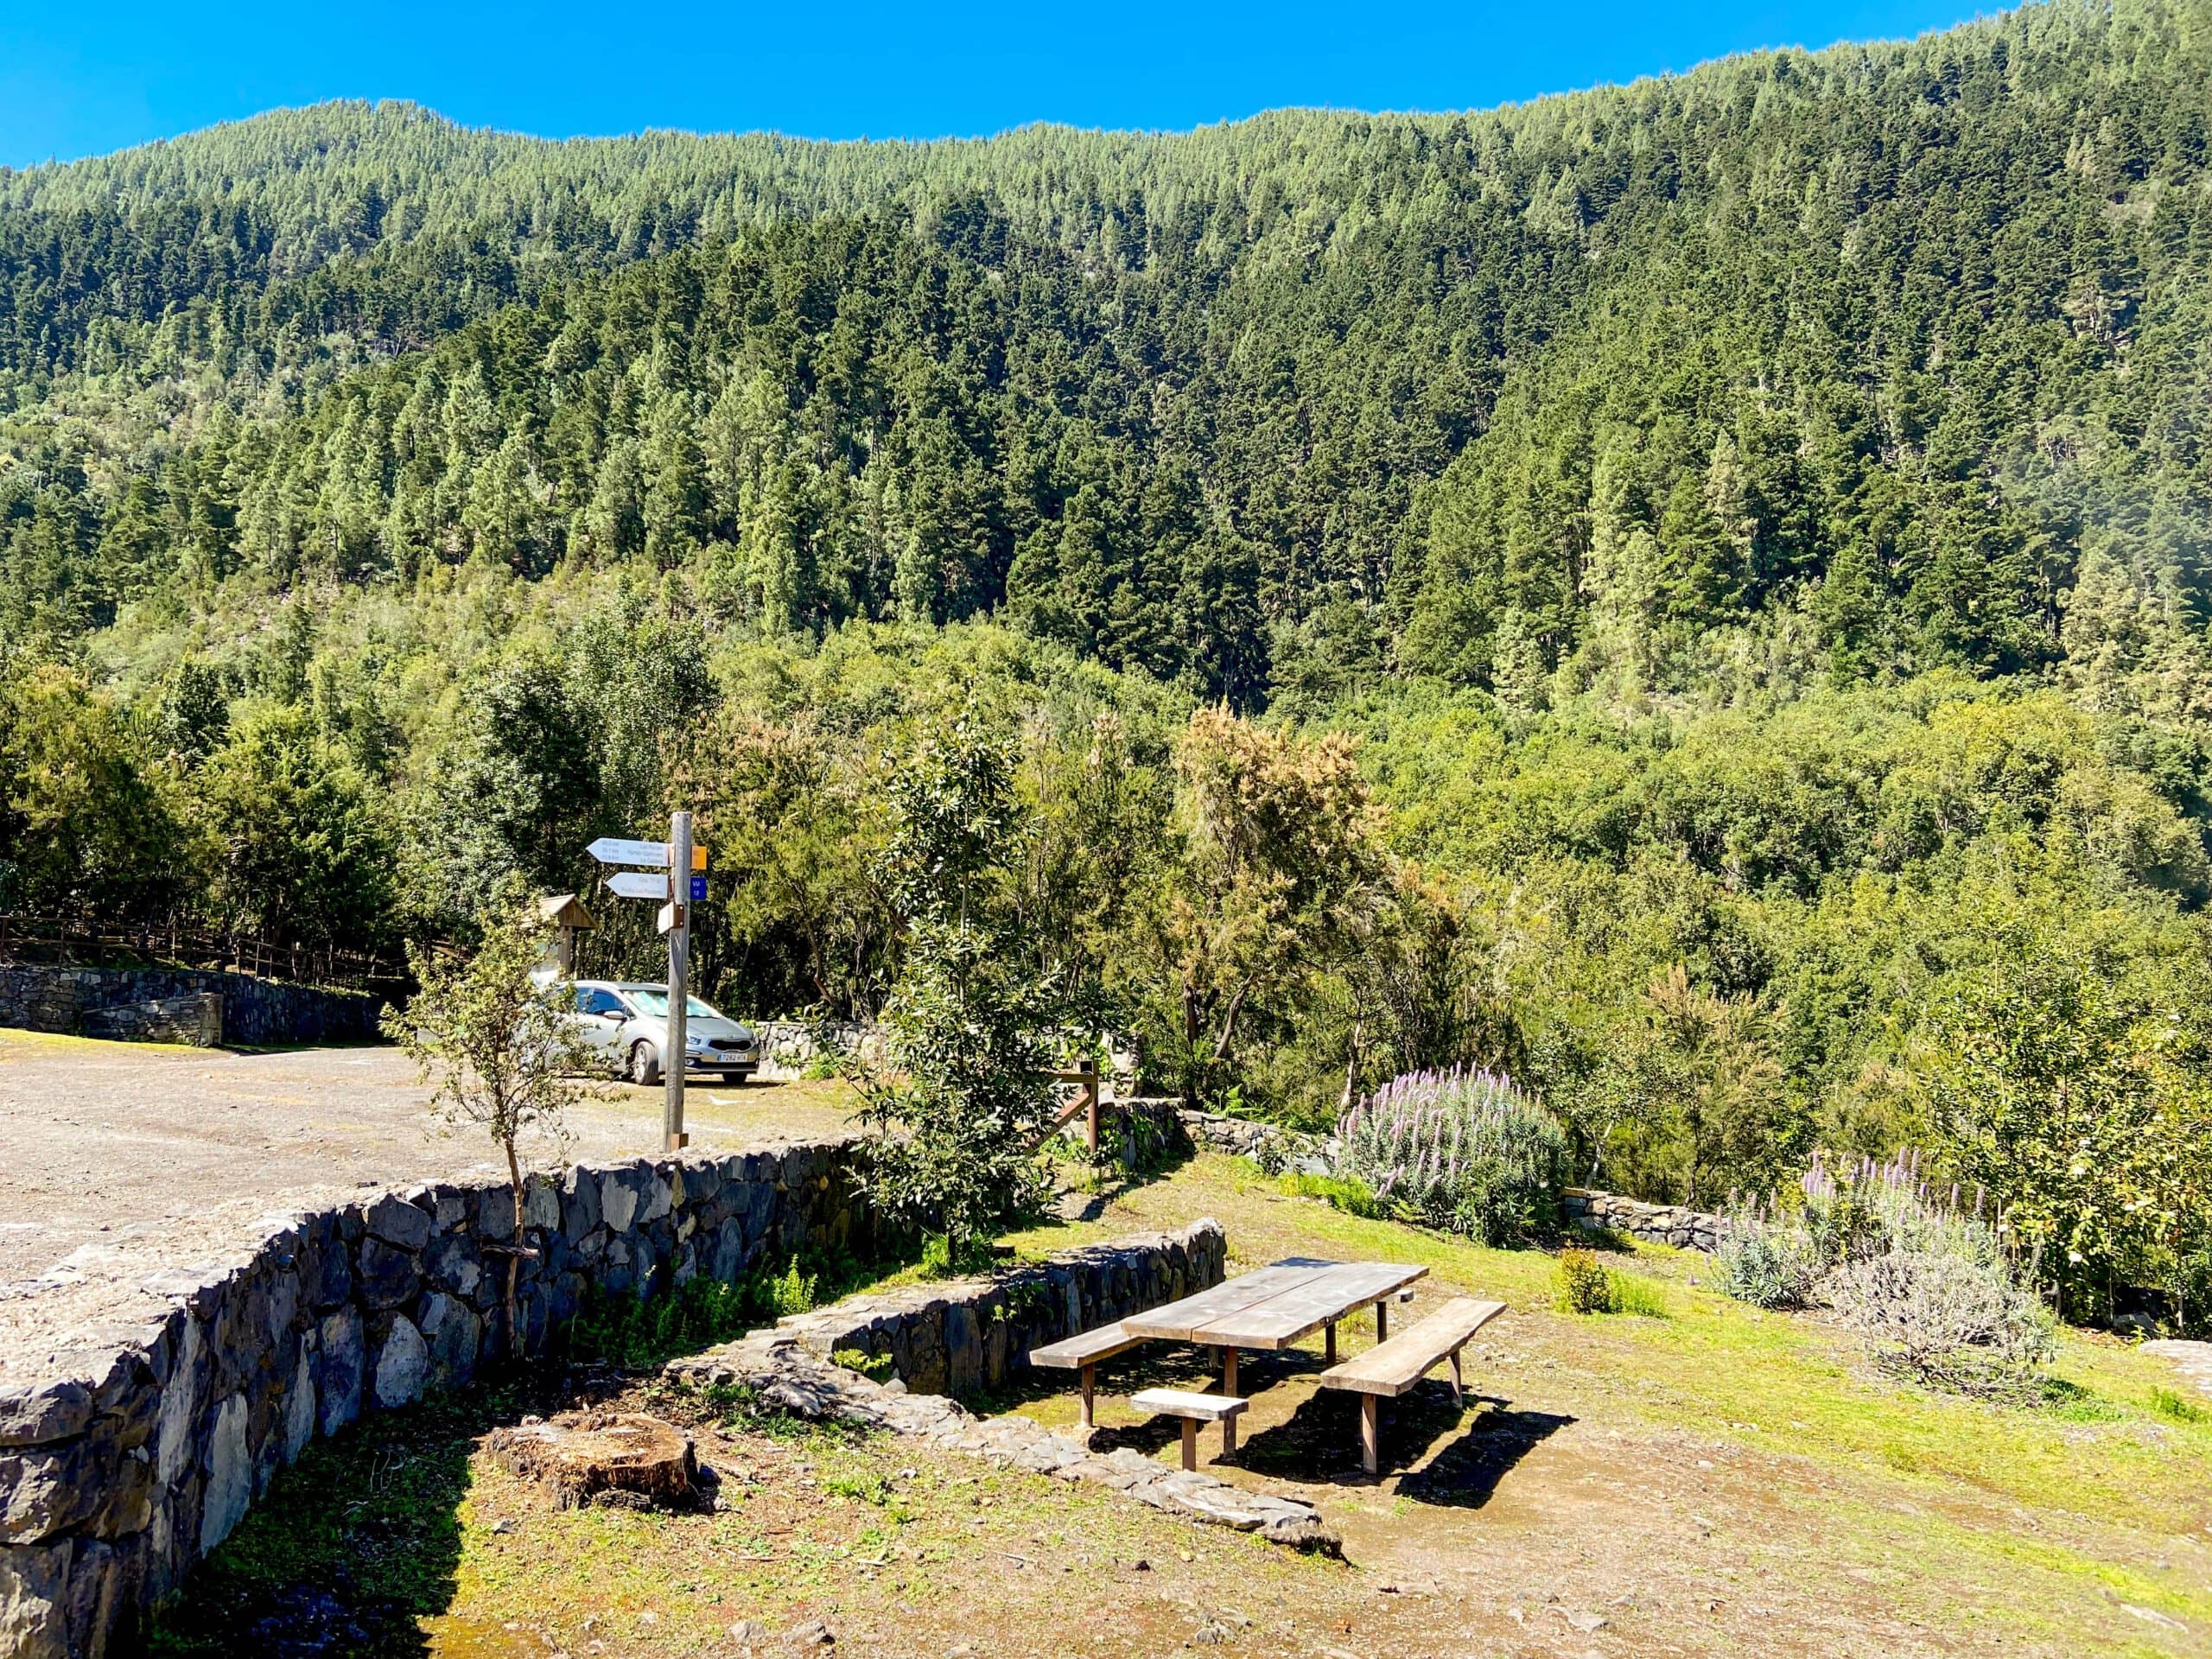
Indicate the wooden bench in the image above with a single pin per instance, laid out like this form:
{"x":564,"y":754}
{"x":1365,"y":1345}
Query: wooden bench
{"x":1083,"y":1353}
{"x":1392,"y":1367}
{"x":1193,"y":1409}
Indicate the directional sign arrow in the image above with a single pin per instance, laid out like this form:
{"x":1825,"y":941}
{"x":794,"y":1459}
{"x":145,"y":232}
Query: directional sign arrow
{"x":614,"y":850}
{"x":639,"y":884}
{"x":653,"y":855}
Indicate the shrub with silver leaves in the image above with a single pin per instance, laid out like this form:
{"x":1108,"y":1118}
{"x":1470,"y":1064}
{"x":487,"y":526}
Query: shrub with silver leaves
{"x":1465,"y":1150}
{"x":1927,"y":1284}
{"x":1945,"y":1317}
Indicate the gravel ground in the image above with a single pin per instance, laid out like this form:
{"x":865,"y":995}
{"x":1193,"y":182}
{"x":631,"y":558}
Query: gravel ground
{"x":110,"y":1142}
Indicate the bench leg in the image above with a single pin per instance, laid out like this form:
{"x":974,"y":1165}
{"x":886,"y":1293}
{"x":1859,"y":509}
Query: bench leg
{"x":1458,"y":1383}
{"x":1090,"y":1381}
{"x":1382,"y":1322}
{"x":1229,"y":1386}
{"x":1328,"y":1343}
{"x":1371,"y":1433}
{"x":1190,"y":1442}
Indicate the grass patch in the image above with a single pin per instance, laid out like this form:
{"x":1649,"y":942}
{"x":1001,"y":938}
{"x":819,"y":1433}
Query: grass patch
{"x":2167,"y":1403}
{"x":1585,"y":1285}
{"x":1341,"y":1192}
{"x":362,"y":1538}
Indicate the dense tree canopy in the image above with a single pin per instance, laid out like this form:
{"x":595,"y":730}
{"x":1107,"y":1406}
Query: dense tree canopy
{"x":1661,"y":589}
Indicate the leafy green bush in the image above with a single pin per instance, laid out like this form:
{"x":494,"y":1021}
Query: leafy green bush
{"x":1583,"y":1285}
{"x":1767,"y":1262}
{"x":1467,"y":1151}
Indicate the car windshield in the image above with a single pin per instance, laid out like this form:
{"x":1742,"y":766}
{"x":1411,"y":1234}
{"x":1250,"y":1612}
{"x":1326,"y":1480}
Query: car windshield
{"x":657,"y":1002}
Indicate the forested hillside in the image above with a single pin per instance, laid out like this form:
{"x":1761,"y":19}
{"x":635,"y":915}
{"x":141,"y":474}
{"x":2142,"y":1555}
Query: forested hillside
{"x":1696,"y":592}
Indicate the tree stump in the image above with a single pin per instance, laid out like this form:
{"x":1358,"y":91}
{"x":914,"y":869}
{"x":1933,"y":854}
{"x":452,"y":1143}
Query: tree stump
{"x":602,"y":1457}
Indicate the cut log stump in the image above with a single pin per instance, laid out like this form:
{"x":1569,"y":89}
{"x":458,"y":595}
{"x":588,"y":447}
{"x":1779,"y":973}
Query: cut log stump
{"x":602,"y":1457}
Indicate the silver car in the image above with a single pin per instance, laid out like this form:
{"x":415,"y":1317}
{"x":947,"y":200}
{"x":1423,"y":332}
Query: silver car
{"x":627,"y":1024}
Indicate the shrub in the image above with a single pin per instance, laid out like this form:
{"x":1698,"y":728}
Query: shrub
{"x":1584,"y":1285}
{"x":1946,"y":1318}
{"x":1929,"y":1286}
{"x":1765,"y":1260}
{"x":1467,"y":1151}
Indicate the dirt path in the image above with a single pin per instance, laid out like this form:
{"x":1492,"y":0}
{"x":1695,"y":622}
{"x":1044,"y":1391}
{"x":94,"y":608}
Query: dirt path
{"x":110,"y":1138}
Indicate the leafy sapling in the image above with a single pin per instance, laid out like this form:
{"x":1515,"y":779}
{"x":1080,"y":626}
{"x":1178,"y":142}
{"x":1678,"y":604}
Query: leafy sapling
{"x":492,"y":1042}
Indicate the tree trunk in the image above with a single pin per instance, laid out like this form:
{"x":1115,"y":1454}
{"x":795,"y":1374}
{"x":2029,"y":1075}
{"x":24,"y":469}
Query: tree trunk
{"x":514,"y":1261}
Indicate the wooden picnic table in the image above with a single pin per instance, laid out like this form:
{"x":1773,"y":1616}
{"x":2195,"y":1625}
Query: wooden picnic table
{"x":1272,"y":1307}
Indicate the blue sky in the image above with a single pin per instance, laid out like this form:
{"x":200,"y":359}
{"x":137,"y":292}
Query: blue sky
{"x":79,"y":77}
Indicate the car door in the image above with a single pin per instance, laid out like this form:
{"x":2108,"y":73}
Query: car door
{"x":602,"y":1015}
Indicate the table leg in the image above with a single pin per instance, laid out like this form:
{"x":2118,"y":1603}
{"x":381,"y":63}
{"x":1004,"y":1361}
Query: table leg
{"x":1371,"y":1433}
{"x":1328,"y":1343}
{"x":1090,"y":1381}
{"x":1382,"y":1321}
{"x":1458,"y":1383}
{"x":1229,"y":1388}
{"x":1190,"y":1442}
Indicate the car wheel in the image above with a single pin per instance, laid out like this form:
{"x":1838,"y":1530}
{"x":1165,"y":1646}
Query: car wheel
{"x":645,"y":1065}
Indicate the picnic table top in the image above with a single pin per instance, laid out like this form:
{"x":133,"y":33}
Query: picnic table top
{"x":1274,"y":1305}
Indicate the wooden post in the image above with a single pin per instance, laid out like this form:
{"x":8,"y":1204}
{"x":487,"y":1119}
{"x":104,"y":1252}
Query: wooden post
{"x":1328,"y":1343}
{"x":1190,"y":1442}
{"x":1371,"y":1433}
{"x":1089,"y":1070}
{"x":1382,"y":1321}
{"x":1229,"y":1389}
{"x":679,"y":974}
{"x":1089,"y":1379}
{"x":1458,"y":1383}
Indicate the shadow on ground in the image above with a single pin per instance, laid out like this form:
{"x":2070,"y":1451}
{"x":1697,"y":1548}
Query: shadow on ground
{"x":360,"y":1540}
{"x":1320,"y":1441}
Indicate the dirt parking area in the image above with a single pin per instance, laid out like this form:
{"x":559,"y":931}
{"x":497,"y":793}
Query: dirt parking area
{"x":108,"y":1138}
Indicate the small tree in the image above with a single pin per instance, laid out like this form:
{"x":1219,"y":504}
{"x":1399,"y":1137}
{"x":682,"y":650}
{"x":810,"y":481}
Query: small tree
{"x":967,"y":1101}
{"x":1282,"y":873}
{"x":494,"y":1046}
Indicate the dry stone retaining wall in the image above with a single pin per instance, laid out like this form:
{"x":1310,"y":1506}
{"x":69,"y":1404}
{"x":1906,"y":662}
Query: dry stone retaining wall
{"x":169,"y":1005}
{"x":1654,"y":1223}
{"x":128,"y":1451}
{"x":974,"y":1334}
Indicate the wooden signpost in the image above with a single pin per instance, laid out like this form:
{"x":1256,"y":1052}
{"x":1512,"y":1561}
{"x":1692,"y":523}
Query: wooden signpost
{"x":675,"y":899}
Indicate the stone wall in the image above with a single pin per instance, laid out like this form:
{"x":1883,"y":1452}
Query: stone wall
{"x":927,"y":1331}
{"x":142,"y":1002}
{"x":1271,"y":1146}
{"x":1654,"y":1223}
{"x":974,"y":1334}
{"x":128,"y":1451}
{"x":788,"y":1047}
